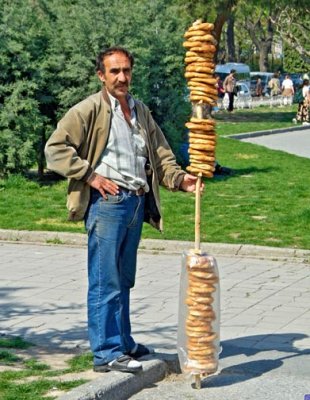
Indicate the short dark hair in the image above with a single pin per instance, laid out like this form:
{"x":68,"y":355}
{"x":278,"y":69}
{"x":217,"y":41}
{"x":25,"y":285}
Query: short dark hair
{"x":232,"y":71}
{"x":108,"y":52}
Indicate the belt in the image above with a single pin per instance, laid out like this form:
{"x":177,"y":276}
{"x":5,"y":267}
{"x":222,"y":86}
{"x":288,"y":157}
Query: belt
{"x":138,"y":192}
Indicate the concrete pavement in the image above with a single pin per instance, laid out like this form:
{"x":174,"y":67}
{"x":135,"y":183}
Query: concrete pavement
{"x":265,"y":320}
{"x":295,"y":140}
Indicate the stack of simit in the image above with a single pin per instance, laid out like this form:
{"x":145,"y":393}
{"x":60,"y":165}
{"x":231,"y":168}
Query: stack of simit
{"x":199,"y":72}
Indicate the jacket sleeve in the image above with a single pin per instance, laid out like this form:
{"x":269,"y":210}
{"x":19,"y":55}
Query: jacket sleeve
{"x":63,"y":149}
{"x":168,"y":171}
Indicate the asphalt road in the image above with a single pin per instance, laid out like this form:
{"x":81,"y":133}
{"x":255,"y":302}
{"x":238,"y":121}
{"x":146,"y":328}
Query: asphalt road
{"x":293,"y":142}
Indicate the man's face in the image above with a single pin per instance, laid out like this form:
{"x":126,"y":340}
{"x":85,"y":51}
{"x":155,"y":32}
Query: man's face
{"x":117,"y":75}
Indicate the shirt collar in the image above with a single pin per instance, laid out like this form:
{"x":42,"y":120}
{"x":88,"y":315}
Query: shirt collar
{"x":115,"y":103}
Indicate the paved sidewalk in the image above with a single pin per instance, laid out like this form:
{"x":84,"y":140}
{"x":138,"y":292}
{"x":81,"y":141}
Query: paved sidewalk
{"x":265,"y":320}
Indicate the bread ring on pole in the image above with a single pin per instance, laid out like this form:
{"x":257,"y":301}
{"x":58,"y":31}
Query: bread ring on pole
{"x":203,"y":38}
{"x":201,"y":126}
{"x":196,"y":32}
{"x":207,"y":174}
{"x":206,"y":121}
{"x":194,"y":68}
{"x":203,"y":89}
{"x":208,"y":79}
{"x":211,"y":138}
{"x":205,"y":56}
{"x":201,"y":146}
{"x":205,"y":26}
{"x":201,"y":47}
{"x":198,"y":59}
{"x":205,"y":99}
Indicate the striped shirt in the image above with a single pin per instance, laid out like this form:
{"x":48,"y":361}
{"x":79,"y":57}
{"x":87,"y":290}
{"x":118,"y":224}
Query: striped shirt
{"x":123,"y":160}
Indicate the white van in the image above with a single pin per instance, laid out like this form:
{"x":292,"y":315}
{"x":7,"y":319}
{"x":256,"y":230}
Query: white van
{"x":242,"y":72}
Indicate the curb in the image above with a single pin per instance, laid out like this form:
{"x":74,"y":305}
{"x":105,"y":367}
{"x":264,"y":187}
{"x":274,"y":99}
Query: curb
{"x":120,"y":386}
{"x":267,"y":132}
{"x":159,"y":246}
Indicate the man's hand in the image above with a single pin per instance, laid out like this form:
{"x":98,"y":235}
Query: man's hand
{"x":189,"y":183}
{"x":103,"y":185}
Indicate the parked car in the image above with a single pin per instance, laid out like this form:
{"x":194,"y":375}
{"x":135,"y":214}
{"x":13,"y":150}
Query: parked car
{"x":265,"y":77}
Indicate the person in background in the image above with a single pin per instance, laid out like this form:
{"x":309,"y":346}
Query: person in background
{"x":219,"y":86}
{"x":259,"y":88}
{"x":115,"y":157}
{"x":303,"y":113}
{"x":274,"y":85}
{"x":230,"y":88}
{"x":287,"y":89}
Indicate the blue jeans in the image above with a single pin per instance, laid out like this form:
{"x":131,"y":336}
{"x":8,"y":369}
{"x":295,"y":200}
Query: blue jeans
{"x":114,"y":229}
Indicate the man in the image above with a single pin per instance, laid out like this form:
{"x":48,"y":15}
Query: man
{"x":230,"y":88}
{"x":287,"y":90}
{"x":274,"y":85}
{"x":115,"y":157}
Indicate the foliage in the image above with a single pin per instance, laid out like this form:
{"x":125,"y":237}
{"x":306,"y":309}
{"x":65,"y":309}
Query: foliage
{"x":48,"y":49}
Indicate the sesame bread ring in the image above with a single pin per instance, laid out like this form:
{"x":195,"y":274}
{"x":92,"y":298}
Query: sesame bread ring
{"x":201,"y":152}
{"x":205,"y":62}
{"x":200,"y":75}
{"x":202,"y":146}
{"x":199,"y":332}
{"x":200,"y":323}
{"x":203,"y":95}
{"x":211,"y":138}
{"x":190,"y":44}
{"x":206,"y":56}
{"x":207,"y":121}
{"x":200,"y":47}
{"x":195,"y":299}
{"x":203,"y":99}
{"x":204,"y":26}
{"x":208,"y":94}
{"x":203,"y":289}
{"x":196,"y":171}
{"x":199,"y":341}
{"x":202,"y":38}
{"x":202,"y":90}
{"x":198,"y":296}
{"x":200,"y":275}
{"x":200,"y":355}
{"x":199,"y":159}
{"x":194,"y":345}
{"x":203,"y":166}
{"x":201,"y":141}
{"x":190,"y":82}
{"x":201,"y":126}
{"x":205,"y":79}
{"x":195,"y":32}
{"x":205,"y":338}
{"x":195,"y":68}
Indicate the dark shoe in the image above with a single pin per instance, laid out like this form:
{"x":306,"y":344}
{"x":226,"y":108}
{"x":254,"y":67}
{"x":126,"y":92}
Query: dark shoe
{"x":123,"y":363}
{"x":140,"y":350}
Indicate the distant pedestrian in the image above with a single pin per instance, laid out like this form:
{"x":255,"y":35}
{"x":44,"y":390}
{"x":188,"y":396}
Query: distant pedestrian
{"x":274,"y":85}
{"x":230,"y":88}
{"x":219,"y":86}
{"x":303,"y":113}
{"x":259,"y":88}
{"x":287,"y":89}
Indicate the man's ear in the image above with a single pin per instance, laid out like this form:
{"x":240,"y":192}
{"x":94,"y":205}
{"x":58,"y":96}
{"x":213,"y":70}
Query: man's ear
{"x":101,"y":76}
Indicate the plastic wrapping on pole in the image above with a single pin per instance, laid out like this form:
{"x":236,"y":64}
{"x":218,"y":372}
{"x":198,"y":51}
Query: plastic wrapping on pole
{"x":199,"y":314}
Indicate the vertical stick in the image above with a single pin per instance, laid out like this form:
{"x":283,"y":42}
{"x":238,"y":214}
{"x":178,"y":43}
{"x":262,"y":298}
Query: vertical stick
{"x":197,"y":213}
{"x":199,"y":113}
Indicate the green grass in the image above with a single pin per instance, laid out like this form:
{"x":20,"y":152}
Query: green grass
{"x":31,"y":380}
{"x":265,"y":202}
{"x":257,"y":119}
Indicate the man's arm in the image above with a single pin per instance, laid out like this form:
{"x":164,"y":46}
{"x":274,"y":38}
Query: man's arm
{"x":62,"y":148}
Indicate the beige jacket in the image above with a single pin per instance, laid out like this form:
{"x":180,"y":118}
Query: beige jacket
{"x":75,"y":148}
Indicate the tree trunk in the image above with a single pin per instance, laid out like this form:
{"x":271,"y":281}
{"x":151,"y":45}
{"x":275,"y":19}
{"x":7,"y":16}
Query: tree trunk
{"x":230,"y":36}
